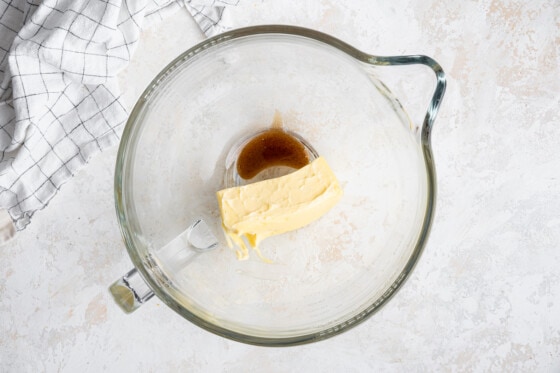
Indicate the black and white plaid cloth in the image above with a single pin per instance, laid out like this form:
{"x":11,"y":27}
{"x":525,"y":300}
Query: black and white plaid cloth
{"x":59,"y":99}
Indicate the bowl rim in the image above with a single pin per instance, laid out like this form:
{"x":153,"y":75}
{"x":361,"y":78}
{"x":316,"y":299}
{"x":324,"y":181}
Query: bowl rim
{"x":121,"y":174}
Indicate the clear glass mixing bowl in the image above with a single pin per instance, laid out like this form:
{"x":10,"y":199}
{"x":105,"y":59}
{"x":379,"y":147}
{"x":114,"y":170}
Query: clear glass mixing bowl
{"x":326,"y":277}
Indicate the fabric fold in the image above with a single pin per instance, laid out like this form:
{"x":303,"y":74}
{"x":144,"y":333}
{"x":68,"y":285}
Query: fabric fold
{"x":60,"y":103}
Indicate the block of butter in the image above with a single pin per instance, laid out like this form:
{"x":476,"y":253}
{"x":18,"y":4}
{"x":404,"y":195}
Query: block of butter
{"x":253,"y":212}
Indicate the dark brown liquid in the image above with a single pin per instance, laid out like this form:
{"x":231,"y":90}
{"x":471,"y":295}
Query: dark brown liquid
{"x":271,"y":148}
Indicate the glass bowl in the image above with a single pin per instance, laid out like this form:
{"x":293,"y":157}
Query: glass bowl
{"x":176,"y":152}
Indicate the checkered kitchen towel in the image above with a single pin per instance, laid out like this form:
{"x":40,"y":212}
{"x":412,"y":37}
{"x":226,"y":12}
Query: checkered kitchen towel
{"x":59,"y":99}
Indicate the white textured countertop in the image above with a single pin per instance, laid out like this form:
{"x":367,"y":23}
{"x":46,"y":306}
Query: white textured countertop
{"x":485,"y":295}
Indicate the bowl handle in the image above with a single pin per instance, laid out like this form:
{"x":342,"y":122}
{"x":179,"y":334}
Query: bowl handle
{"x":437,"y":97}
{"x":131,"y":290}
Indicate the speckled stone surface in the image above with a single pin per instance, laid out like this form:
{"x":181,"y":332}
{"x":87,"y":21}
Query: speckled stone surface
{"x":485,"y":295}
